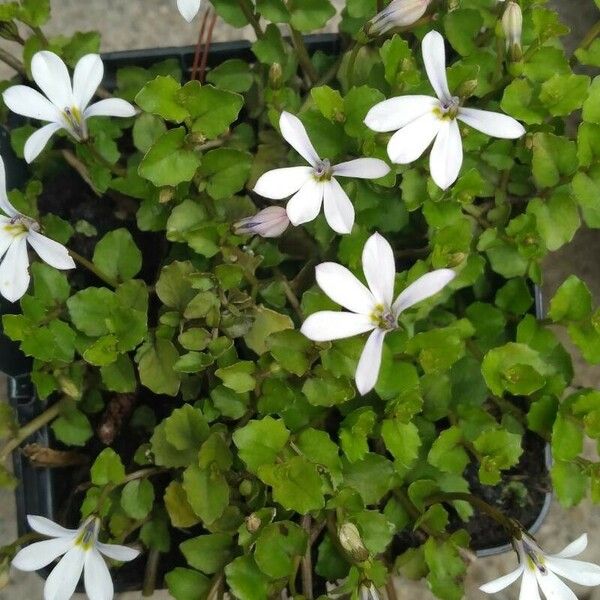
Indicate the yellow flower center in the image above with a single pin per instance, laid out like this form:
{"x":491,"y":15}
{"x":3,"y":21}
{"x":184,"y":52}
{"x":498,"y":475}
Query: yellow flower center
{"x":88,"y":534}
{"x":323,"y":171}
{"x":19,"y":225}
{"x":447,"y":110}
{"x":76,"y":122}
{"x":383,"y":318}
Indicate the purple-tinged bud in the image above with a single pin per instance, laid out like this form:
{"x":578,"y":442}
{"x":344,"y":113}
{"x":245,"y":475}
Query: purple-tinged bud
{"x":399,"y":13}
{"x":512,"y":24}
{"x":269,"y":223}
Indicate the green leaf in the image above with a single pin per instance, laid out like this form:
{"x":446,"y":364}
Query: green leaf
{"x":90,"y":309}
{"x":155,"y":365}
{"x":226,"y":171}
{"x":186,"y":428}
{"x":296,"y":484}
{"x":329,"y":102}
{"x":571,"y":302}
{"x":174,"y":286}
{"x":569,"y":483}
{"x":160,"y":97}
{"x":447,"y":453}
{"x":207,"y":492}
{"x":355,"y":431}
{"x":371,"y":477}
{"x":208,"y":553}
{"x":520,"y":102}
{"x":308,"y":15}
{"x":72,"y":428}
{"x":169,"y":162}
{"x":233,"y":75}
{"x":119,"y":376}
{"x":563,"y":94}
{"x":291,"y":350}
{"x":146,"y":130}
{"x":591,"y":106}
{"x":266,"y":322}
{"x":178,"y":507}
{"x":259,"y":442}
{"x":238,"y":376}
{"x":107,"y":468}
{"x":212,"y":110}
{"x":186,"y":584}
{"x":567,"y":438}
{"x":499,"y":450}
{"x":137,"y":498}
{"x":557,"y":218}
{"x":102,"y":352}
{"x":246,"y":580}
{"x":402,"y":440}
{"x":277,"y":546}
{"x":117,"y":255}
{"x":553,"y":157}
{"x":462,"y":28}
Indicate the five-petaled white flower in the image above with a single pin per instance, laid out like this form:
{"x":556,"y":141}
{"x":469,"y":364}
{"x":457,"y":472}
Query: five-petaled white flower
{"x":188,"y":8}
{"x":315,"y":185}
{"x":82,"y":552}
{"x":540,"y":569}
{"x":398,"y":13}
{"x":373,"y":308}
{"x":16,"y":230}
{"x":418,"y":120}
{"x":64,"y":106}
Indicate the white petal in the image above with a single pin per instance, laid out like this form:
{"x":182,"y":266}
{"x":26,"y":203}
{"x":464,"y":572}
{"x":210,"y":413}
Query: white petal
{"x":408,"y":143}
{"x":434,"y":57}
{"x":116,"y":552}
{"x":344,"y":288}
{"x":30,"y":103}
{"x":5,"y":204}
{"x":14,"y":271}
{"x":305,"y":204}
{"x":61,"y":583}
{"x":446,"y":156}
{"x":37,"y":556}
{"x":362,"y":168}
{"x":88,"y":75}
{"x":491,"y":123}
{"x":379,"y":268}
{"x":369,"y":364}
{"x":502,"y":582}
{"x":51,"y":252}
{"x":395,"y":113}
{"x":584,"y":573}
{"x":6,"y":238}
{"x":329,"y":325}
{"x":529,"y":586}
{"x":111,"y":107}
{"x":574,"y":548}
{"x":49,"y":528}
{"x":51,"y":74}
{"x":339,"y":211}
{"x":37,"y":141}
{"x":294,"y":133}
{"x":426,"y":286}
{"x":282,"y":183}
{"x":188,"y":8}
{"x":96,"y":577}
{"x":553,"y":587}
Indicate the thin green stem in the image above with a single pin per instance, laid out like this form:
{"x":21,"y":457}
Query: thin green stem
{"x":30,"y":428}
{"x":588,"y":39}
{"x":150,"y":575}
{"x":113,"y":168}
{"x":512,"y":527}
{"x":11,"y":61}
{"x":304,"y":57}
{"x":351,"y":64}
{"x":248,"y":9}
{"x":306,"y":564}
{"x":90,"y":266}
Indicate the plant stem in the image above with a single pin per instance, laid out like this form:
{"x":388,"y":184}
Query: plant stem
{"x":588,"y":39}
{"x":289,"y":293}
{"x":114,"y":169}
{"x":74,"y":162}
{"x":351,"y":64}
{"x":11,"y":61}
{"x":306,"y":563}
{"x":90,"y":266}
{"x":303,"y":57}
{"x":30,"y":428}
{"x":513,"y":528}
{"x":248,"y":10}
{"x":150,"y":574}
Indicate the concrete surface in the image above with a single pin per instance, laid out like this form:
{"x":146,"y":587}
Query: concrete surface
{"x":148,"y":23}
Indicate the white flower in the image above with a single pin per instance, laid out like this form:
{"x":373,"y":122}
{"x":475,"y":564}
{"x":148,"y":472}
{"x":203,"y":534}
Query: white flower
{"x":315,"y":185}
{"x":372,"y":309}
{"x":188,"y":8}
{"x":369,"y":592}
{"x":540,"y":569}
{"x":16,"y":230}
{"x":399,"y":13}
{"x":269,"y":222}
{"x":64,"y":106}
{"x":82,"y":552}
{"x":419,"y":120}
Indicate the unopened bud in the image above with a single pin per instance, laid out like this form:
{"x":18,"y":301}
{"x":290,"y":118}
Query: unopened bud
{"x":166,"y":194}
{"x":467,"y":88}
{"x":269,"y":222}
{"x":352,"y":542}
{"x":9,"y":31}
{"x":275,"y":76}
{"x":253,"y":523}
{"x":399,"y":13}
{"x":369,"y":592}
{"x":512,"y":24}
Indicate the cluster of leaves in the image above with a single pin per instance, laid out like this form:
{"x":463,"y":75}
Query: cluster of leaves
{"x":253,"y":446}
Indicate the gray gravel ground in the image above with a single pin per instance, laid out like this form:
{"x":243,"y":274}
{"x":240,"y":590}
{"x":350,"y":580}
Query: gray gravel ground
{"x":149,"y":23}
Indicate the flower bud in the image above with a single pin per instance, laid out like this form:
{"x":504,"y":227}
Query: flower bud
{"x":166,"y":194}
{"x":269,"y":222}
{"x":253,"y":523}
{"x":369,"y":592}
{"x":399,"y":13}
{"x":9,"y":31}
{"x":352,"y":542}
{"x":512,"y":24}
{"x":275,"y":76}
